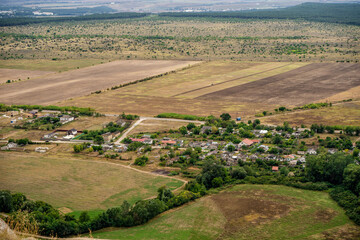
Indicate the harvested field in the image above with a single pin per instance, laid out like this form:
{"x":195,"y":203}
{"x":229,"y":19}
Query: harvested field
{"x":15,"y":74}
{"x":297,"y":87}
{"x":150,"y":126}
{"x":57,"y":87}
{"x":342,"y":114}
{"x":248,"y":212}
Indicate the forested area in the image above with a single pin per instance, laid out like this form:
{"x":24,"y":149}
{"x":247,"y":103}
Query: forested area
{"x":320,"y":12}
{"x":31,"y":20}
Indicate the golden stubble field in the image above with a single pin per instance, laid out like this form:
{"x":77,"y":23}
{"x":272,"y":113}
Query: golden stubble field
{"x":56,"y":87}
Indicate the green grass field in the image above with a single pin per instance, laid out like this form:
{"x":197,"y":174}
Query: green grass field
{"x":248,"y":212}
{"x":75,"y":184}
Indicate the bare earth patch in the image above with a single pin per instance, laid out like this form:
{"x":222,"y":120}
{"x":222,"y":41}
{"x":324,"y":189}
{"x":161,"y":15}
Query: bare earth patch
{"x":241,"y":211}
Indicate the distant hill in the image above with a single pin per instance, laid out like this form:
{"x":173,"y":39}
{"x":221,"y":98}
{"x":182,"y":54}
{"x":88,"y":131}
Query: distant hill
{"x":346,"y":13}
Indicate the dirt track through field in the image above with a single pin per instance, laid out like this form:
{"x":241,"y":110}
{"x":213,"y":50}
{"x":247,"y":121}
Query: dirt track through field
{"x":57,"y":87}
{"x":297,"y":87}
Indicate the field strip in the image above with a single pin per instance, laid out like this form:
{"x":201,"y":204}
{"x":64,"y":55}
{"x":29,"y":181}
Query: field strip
{"x":126,"y":133}
{"x":240,"y":80}
{"x":184,"y":83}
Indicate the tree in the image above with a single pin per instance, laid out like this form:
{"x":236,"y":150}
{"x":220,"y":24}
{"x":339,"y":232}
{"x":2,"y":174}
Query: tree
{"x":84,"y":217}
{"x":225,"y":116}
{"x":231,"y":148}
{"x":352,"y":178}
{"x":141,"y":161}
{"x":6,"y":204}
{"x":327,"y":167}
{"x":190,"y":126}
{"x":99,"y":139}
{"x":217,"y":182}
{"x":212,"y":168}
{"x":164,"y":194}
{"x":183,"y":130}
{"x":238,"y":173}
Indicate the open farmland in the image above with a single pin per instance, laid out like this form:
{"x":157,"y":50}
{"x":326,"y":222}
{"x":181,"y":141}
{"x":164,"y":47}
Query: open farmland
{"x":346,"y":114}
{"x":297,"y":87}
{"x":240,"y":88}
{"x":77,"y":184}
{"x":249,"y":212}
{"x":16,"y":74}
{"x":57,"y":87}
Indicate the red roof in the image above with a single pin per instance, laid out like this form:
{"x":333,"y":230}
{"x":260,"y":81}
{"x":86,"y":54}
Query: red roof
{"x":255,"y":141}
{"x":168,"y":142}
{"x":275,"y":168}
{"x":247,"y":141}
{"x":138,"y":139}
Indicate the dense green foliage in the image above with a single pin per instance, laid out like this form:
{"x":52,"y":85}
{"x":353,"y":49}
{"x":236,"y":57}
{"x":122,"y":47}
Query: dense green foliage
{"x":320,"y":12}
{"x":180,"y":116}
{"x":78,"y":110}
{"x":31,"y":20}
{"x":52,"y":223}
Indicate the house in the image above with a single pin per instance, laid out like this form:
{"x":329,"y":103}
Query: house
{"x":205,"y":129}
{"x":66,"y":118}
{"x":300,"y":152}
{"x":248,"y":142}
{"x":168,"y":142}
{"x":72,"y":132}
{"x":302,"y":160}
{"x":121,"y":122}
{"x":266,"y":148}
{"x":34,"y":113}
{"x":275,"y":168}
{"x":12,"y":146}
{"x":142,"y":140}
{"x":41,"y":149}
{"x":50,"y":135}
{"x":311,"y":151}
{"x":138,"y":140}
{"x":332,"y":150}
{"x":292,"y":163}
{"x":107,"y":136}
{"x":289,"y":157}
{"x":106,"y":147}
{"x":122,"y":148}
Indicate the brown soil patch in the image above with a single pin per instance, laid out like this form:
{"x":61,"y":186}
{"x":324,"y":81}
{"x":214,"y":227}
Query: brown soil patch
{"x":297,"y":87}
{"x":16,"y":74}
{"x":346,"y":232}
{"x":241,"y":211}
{"x":57,"y":87}
{"x":325,"y":215}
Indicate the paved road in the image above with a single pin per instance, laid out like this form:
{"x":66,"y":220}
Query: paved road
{"x":125,"y":134}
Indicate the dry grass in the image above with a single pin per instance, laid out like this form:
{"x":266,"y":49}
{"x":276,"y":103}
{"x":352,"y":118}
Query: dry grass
{"x":151,"y":126}
{"x":65,"y":181}
{"x":19,"y":75}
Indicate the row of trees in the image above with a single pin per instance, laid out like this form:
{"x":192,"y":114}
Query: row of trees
{"x":320,"y":12}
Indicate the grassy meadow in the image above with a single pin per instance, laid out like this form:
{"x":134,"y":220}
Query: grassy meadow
{"x":248,"y":212}
{"x":77,"y":184}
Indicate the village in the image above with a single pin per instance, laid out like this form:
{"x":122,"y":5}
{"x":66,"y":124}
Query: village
{"x":233,"y":142}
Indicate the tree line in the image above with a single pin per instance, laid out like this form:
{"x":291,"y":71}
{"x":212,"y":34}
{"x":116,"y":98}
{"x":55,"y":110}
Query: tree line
{"x":345,"y":13}
{"x":31,"y":20}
